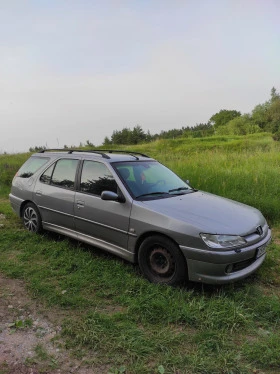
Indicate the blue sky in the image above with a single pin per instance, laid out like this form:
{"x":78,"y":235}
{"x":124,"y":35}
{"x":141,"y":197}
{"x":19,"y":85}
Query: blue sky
{"x":72,"y":71}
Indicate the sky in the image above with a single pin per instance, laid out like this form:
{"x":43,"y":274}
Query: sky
{"x":72,"y":71}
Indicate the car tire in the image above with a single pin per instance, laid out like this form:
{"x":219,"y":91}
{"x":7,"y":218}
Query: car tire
{"x":31,"y":218}
{"x":161,"y":261}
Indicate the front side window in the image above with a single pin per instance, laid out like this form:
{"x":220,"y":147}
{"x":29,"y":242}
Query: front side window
{"x":31,"y":166}
{"x":61,"y":174}
{"x":96,"y":178}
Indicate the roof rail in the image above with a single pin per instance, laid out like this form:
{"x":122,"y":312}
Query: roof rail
{"x":131,"y":153}
{"x":98,"y":151}
{"x":70,"y":151}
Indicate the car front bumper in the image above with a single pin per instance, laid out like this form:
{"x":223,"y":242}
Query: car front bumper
{"x":220,"y":267}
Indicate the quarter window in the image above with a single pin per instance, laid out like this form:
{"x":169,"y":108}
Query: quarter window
{"x":46,"y":177}
{"x":96,"y":178}
{"x":31,"y":166}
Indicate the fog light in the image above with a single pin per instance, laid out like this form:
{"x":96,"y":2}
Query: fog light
{"x":229,"y":268}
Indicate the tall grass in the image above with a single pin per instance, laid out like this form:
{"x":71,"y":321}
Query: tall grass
{"x":9,"y":165}
{"x":117,"y":320}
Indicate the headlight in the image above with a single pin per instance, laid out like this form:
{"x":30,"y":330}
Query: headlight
{"x":222,"y":241}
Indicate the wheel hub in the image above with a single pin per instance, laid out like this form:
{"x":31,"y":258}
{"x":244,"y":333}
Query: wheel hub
{"x":30,"y":219}
{"x":161,"y":261}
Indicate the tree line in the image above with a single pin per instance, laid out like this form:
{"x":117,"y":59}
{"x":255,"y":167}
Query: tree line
{"x":263,"y":118}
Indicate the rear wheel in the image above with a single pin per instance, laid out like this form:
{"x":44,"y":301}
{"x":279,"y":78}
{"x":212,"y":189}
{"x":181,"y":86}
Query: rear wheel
{"x":32,"y":218}
{"x":161,"y":261}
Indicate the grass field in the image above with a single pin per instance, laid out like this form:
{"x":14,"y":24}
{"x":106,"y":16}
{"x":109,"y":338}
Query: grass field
{"x":116,"y":318}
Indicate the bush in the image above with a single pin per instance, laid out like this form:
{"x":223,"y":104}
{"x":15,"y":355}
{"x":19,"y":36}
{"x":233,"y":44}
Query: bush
{"x":276,"y":136}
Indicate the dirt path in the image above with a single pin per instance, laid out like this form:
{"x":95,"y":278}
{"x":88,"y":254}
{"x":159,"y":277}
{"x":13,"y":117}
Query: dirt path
{"x":29,"y":340}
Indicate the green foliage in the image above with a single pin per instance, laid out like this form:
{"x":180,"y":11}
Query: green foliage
{"x":242,"y":125}
{"x":274,"y":115}
{"x":223,"y":117}
{"x":138,"y":136}
{"x":127,"y":136}
{"x":274,"y":95}
{"x":21,"y":324}
{"x":276,"y":136}
{"x":263,"y":350}
{"x":9,"y":165}
{"x":107,"y":141}
{"x":37,"y":148}
{"x":260,"y":114}
{"x":267,"y":115}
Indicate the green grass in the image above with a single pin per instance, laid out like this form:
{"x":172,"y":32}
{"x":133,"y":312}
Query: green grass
{"x":9,"y":165}
{"x":129,"y":323}
{"x":116,"y":319}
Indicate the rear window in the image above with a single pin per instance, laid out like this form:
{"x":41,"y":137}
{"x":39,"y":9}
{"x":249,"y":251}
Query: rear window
{"x":31,"y":166}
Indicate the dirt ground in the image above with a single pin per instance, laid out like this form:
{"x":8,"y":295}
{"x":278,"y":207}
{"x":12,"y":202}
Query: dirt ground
{"x":29,"y":338}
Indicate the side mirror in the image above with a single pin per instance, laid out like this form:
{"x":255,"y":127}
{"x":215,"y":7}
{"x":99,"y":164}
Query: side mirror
{"x":112,"y":196}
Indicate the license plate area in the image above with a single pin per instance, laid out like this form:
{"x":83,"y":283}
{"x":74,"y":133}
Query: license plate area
{"x":261,"y":250}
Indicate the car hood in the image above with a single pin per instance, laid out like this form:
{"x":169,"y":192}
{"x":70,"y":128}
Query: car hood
{"x":209,"y":213}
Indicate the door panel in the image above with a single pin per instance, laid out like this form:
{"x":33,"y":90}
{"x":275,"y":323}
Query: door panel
{"x":54,"y":193}
{"x":56,"y":205}
{"x":104,"y":220}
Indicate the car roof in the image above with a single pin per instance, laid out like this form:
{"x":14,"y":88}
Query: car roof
{"x":104,"y":154}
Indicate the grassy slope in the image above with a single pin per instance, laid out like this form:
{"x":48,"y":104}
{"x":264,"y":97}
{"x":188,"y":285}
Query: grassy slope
{"x":124,"y":321}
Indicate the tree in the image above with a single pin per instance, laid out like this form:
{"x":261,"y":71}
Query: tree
{"x":241,"y":125}
{"x":260,"y":115}
{"x":223,"y":117}
{"x":274,"y":95}
{"x":89,"y":144}
{"x":37,"y":148}
{"x":267,"y":115}
{"x":274,"y":116}
{"x":137,"y":135}
{"x":107,"y":141}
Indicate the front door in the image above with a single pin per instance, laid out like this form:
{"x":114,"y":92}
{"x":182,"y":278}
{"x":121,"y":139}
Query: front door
{"x":105,"y":221}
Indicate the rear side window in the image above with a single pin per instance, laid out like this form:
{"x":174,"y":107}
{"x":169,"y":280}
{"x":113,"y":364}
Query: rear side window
{"x":31,"y":166}
{"x":61,"y":174}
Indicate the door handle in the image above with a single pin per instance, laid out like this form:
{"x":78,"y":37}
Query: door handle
{"x":80,"y":204}
{"x":38,"y":193}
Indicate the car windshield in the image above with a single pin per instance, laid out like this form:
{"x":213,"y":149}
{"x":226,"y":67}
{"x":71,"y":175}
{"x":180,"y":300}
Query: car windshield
{"x":151,"y":180}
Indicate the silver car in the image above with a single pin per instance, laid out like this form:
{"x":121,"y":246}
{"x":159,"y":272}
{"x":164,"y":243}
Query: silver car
{"x":133,"y":206}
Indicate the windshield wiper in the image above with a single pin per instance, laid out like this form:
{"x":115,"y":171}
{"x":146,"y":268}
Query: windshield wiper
{"x":179,"y":189}
{"x":153,"y":193}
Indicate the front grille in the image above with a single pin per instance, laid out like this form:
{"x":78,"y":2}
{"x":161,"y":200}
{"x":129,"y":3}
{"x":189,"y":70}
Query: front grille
{"x":257,"y":235}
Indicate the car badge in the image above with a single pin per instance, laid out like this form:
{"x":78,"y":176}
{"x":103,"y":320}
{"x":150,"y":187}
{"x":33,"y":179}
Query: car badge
{"x":259,"y":230}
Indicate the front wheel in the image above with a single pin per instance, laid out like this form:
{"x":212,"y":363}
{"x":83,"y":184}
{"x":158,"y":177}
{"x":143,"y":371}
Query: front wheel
{"x":31,"y":218}
{"x":161,"y":261}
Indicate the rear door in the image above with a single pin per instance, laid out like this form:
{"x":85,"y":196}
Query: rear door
{"x":106,"y":221}
{"x":54,"y":193}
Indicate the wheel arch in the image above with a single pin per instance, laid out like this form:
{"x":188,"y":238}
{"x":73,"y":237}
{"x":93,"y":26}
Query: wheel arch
{"x":24,"y":203}
{"x":146,"y":235}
